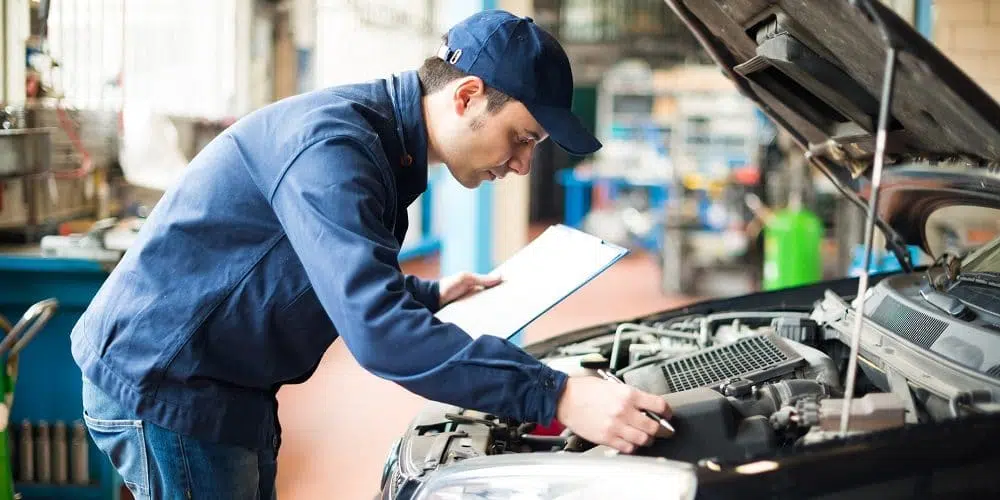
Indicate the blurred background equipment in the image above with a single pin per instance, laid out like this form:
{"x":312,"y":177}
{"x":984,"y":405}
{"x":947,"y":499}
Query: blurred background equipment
{"x":679,"y":144}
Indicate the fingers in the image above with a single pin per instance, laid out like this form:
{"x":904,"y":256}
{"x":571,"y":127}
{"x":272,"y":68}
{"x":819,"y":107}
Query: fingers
{"x":470,"y":281}
{"x":484,"y":280}
{"x":611,"y":414}
{"x":663,"y":433}
{"x":622,"y":445}
{"x":657,"y":405}
{"x":653,"y":403}
{"x":635,"y":436}
{"x":630,"y":423}
{"x":642,"y":422}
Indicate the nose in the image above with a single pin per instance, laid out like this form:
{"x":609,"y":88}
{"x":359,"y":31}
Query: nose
{"x":521,"y":164}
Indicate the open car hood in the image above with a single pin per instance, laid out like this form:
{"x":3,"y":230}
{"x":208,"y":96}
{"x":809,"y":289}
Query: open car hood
{"x":816,"y":68}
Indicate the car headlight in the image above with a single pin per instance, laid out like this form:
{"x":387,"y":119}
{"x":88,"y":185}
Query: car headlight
{"x":390,"y":462}
{"x":561,"y":476}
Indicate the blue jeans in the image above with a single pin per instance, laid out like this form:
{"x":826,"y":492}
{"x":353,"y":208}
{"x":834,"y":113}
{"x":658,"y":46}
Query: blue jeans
{"x":156,"y":463}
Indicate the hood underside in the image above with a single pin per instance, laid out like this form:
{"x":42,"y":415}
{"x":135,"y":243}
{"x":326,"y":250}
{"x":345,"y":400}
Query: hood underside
{"x":816,"y":68}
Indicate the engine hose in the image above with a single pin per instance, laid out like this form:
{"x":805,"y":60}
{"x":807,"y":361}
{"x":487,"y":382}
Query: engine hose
{"x":789,"y":392}
{"x":770,"y":397}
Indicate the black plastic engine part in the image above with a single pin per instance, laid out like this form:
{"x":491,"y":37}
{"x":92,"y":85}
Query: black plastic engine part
{"x":623,"y":352}
{"x":738,"y":388}
{"x":707,"y":425}
{"x":802,"y":330}
{"x":595,"y":361}
{"x":647,"y":378}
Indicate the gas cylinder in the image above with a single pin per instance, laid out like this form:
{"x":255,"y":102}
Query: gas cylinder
{"x":793,"y":241}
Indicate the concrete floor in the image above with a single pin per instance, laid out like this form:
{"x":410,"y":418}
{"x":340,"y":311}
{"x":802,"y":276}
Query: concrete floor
{"x":335,"y":440}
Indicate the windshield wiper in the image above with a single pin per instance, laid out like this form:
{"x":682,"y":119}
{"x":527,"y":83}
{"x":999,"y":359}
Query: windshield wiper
{"x":953,"y":306}
{"x":988,"y":278}
{"x":936,"y":293}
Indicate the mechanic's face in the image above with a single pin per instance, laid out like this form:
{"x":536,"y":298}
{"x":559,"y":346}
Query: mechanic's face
{"x":482,"y":146}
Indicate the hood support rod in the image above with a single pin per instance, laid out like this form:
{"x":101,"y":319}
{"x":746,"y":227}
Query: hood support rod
{"x":885,"y":106}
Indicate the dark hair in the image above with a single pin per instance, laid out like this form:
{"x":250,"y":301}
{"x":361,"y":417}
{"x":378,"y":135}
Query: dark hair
{"x":435,"y":73}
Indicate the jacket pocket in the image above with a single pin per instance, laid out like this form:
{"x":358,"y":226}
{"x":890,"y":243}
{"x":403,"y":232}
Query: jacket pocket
{"x":304,"y":332}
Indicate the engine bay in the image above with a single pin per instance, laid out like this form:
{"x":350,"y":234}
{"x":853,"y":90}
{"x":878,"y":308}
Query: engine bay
{"x":743,"y":384}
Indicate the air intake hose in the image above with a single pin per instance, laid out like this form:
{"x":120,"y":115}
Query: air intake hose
{"x":770,"y":397}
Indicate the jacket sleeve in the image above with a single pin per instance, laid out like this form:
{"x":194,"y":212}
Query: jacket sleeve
{"x":427,"y":292}
{"x":331,"y":200}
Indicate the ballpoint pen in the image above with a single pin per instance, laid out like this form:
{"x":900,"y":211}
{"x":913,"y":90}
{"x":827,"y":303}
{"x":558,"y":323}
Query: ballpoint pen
{"x":666,"y":425}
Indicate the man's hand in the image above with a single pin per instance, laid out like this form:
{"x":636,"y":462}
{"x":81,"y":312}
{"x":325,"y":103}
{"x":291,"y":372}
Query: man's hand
{"x":459,"y":285}
{"x":607,"y":413}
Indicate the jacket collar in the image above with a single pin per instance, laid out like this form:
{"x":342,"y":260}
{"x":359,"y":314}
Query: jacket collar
{"x":411,"y":132}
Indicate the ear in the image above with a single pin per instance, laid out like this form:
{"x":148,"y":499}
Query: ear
{"x":469,"y":93}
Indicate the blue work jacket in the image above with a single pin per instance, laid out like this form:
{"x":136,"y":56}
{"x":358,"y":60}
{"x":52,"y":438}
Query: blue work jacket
{"x":283,"y":235}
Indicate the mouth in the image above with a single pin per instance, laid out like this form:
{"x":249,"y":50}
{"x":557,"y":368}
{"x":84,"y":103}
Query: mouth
{"x":497,"y":173}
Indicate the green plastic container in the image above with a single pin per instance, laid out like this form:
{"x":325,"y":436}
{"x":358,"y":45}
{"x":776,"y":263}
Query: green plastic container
{"x":6,"y":471}
{"x":792,"y":249}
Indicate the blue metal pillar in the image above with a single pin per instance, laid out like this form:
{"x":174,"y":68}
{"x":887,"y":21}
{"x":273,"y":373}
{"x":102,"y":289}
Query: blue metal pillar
{"x":467,"y":235}
{"x":922,"y":18}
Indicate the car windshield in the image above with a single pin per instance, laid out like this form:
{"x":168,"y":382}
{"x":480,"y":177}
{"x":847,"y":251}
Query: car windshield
{"x":984,"y":260}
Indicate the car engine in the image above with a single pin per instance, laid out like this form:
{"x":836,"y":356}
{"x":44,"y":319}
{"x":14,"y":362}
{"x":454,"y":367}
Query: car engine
{"x":738,"y":384}
{"x":742,"y":384}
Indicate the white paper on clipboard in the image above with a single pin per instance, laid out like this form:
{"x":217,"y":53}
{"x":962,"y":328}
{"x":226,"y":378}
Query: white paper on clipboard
{"x":543,"y":273}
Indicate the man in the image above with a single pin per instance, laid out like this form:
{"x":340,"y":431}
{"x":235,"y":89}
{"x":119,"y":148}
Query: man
{"x":283,"y":235}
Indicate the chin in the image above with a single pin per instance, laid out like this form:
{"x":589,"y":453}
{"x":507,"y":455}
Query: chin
{"x":470,"y":182}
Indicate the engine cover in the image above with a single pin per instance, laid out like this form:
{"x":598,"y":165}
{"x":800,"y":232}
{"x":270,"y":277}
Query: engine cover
{"x":707,"y":426}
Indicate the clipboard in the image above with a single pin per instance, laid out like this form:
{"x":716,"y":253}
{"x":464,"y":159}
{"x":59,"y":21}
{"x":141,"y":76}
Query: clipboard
{"x":537,"y":277}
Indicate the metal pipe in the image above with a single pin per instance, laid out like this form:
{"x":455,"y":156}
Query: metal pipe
{"x":60,"y":454}
{"x":32,"y":320}
{"x":43,"y":454}
{"x":883,"y":120}
{"x":79,"y":454}
{"x":638,"y":328}
{"x":26,"y":455}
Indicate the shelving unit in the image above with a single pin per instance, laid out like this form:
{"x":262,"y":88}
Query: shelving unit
{"x":49,"y":382}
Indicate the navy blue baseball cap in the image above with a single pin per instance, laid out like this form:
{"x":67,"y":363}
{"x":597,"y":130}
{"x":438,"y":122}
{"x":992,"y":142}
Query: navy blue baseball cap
{"x":515,"y":56}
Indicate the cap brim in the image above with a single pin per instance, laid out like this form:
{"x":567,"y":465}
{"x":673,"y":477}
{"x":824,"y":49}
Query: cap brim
{"x":565,"y":129}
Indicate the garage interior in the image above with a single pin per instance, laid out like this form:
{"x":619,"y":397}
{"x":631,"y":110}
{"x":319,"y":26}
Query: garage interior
{"x":105,"y":102}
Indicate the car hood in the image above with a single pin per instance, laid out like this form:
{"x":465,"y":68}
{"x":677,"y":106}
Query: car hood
{"x":816,"y":69}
